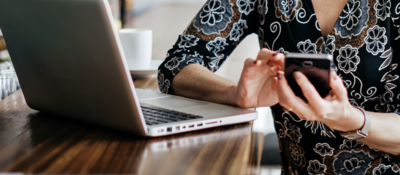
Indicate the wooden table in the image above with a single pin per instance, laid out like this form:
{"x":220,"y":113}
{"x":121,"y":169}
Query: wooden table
{"x":34,"y":142}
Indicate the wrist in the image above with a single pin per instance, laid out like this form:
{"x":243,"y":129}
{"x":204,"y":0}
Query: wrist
{"x":239,"y":97}
{"x":361,"y":132}
{"x":355,"y":119}
{"x":233,"y":98}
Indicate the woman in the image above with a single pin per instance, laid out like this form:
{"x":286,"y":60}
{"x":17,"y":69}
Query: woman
{"x":362,"y":35}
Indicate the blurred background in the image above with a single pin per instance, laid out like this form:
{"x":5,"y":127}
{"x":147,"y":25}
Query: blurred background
{"x":124,"y":10}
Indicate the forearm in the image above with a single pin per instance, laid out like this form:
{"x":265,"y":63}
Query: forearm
{"x":197,"y":82}
{"x":384,"y":133}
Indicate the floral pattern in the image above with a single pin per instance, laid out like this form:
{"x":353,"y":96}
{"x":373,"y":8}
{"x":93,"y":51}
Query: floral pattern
{"x":382,"y":8}
{"x":245,"y":6}
{"x":287,"y":5}
{"x":329,"y":45}
{"x":352,"y":162}
{"x":395,"y":168}
{"x":307,"y":47}
{"x":376,"y":40}
{"x":286,"y":9}
{"x":351,"y":14}
{"x":386,"y":99}
{"x":316,"y":168}
{"x":215,"y":62}
{"x":348,"y":59}
{"x":353,"y":19}
{"x":388,"y":55}
{"x":212,"y":13}
{"x":289,"y":131}
{"x":174,"y":62}
{"x":163,"y":84}
{"x":188,"y":41}
{"x":196,"y":61}
{"x":323,"y":149}
{"x":237,"y":30}
{"x":217,"y":45}
{"x":363,"y":44}
{"x":348,"y":144}
{"x":262,"y":10}
{"x":325,"y":130}
{"x":295,"y":154}
{"x":213,"y":18}
{"x":381,"y":169}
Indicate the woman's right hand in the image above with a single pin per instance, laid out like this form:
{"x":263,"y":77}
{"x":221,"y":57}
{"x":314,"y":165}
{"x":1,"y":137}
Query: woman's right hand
{"x":257,"y":84}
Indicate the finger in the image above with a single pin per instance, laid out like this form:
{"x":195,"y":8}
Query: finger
{"x":250,"y":62}
{"x":288,"y":99}
{"x":310,"y":93}
{"x":274,"y":70}
{"x":265,"y":55}
{"x":277,"y":59}
{"x":338,"y":87}
{"x":251,"y":68}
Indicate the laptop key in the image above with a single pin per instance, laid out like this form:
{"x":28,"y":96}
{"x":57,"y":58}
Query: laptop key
{"x":155,"y":116}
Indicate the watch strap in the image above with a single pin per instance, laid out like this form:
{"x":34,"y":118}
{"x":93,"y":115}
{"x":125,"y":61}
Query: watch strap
{"x":367,"y":122}
{"x":360,"y":133}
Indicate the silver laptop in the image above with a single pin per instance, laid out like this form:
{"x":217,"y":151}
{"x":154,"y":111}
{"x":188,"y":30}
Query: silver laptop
{"x":69,"y":62}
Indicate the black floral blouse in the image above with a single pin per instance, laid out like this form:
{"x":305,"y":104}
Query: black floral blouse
{"x":364,"y":43}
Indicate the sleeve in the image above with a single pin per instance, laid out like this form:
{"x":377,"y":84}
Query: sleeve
{"x":210,"y":38}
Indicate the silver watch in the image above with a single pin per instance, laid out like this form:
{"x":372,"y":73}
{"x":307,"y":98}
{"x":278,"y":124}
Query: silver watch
{"x":360,"y":133}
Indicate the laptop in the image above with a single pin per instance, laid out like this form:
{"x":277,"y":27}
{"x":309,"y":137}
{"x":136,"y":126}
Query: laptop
{"x":69,"y":61}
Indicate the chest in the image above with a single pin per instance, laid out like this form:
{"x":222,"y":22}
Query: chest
{"x":327,"y":13}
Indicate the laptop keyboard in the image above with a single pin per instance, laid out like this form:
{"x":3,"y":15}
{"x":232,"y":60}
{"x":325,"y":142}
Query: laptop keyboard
{"x":155,"y":116}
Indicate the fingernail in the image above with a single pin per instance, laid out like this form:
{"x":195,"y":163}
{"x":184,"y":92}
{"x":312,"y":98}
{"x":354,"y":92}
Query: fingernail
{"x":279,"y":75}
{"x":296,"y":74}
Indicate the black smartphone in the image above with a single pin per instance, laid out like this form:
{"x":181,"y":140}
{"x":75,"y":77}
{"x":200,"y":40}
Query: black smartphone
{"x":316,"y":67}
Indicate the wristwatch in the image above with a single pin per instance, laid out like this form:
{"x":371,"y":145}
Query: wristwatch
{"x":360,"y":133}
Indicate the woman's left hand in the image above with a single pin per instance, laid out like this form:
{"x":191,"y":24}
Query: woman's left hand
{"x":334,"y":110}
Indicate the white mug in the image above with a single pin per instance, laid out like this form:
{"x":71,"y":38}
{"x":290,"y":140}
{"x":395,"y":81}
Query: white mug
{"x":137,"y":46}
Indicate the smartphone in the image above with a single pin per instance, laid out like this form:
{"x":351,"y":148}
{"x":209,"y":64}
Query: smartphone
{"x":315,"y":67}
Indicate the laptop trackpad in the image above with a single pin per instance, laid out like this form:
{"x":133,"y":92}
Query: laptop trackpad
{"x":173,"y":102}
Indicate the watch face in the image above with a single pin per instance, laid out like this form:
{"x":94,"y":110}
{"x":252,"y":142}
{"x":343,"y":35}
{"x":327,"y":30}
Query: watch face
{"x":353,"y":135}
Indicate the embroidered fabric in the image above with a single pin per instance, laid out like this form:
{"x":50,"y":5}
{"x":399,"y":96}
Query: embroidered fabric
{"x":364,"y":43}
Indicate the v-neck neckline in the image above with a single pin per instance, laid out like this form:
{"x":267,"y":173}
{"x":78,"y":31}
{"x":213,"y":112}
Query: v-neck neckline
{"x":317,"y":22}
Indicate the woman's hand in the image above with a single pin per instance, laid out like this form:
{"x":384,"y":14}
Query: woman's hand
{"x":257,"y":84}
{"x":334,"y":110}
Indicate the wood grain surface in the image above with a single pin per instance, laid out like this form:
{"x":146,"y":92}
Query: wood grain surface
{"x":35,"y":142}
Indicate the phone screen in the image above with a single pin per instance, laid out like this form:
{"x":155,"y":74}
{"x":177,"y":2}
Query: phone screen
{"x":315,"y":67}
